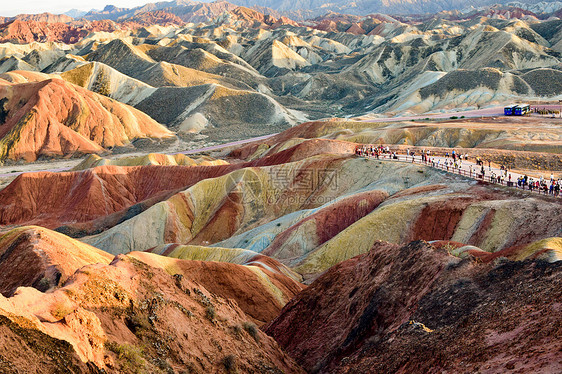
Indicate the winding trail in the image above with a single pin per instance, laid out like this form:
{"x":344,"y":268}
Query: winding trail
{"x":191,"y":151}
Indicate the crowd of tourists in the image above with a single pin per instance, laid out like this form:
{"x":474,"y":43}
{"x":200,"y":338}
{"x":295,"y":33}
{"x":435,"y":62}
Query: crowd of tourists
{"x":546,"y":112}
{"x":453,"y":162}
{"x":375,"y":151}
{"x":541,"y":185}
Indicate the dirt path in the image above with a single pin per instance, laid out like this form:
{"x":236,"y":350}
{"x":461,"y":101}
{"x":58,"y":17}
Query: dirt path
{"x":486,"y":112}
{"x":12,"y":171}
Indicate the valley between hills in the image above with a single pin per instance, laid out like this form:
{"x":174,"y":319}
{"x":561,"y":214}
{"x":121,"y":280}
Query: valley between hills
{"x":210,"y":188}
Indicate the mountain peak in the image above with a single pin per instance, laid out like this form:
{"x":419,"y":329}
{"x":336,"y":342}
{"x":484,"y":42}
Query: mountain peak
{"x":110,"y":8}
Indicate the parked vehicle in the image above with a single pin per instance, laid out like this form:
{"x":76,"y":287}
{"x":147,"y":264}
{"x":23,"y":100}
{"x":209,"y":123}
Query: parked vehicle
{"x":508,"y":110}
{"x":521,"y":109}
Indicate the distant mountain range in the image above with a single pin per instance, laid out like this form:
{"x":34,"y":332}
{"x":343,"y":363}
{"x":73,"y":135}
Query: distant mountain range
{"x":303,"y":9}
{"x":189,"y":11}
{"x":300,"y":10}
{"x":75,"y":13}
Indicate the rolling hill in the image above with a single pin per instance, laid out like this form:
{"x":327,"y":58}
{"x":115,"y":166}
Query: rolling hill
{"x":53,"y":118}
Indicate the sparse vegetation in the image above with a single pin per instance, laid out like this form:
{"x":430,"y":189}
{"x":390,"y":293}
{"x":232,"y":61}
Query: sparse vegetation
{"x":210,"y":313}
{"x":184,"y":310}
{"x":44,"y":284}
{"x":449,"y":248}
{"x":101,"y":84}
{"x":178,"y":279}
{"x":252,"y":330}
{"x":3,"y":112}
{"x":61,"y":310}
{"x":236,"y":330}
{"x":500,"y":260}
{"x":202,"y":298}
{"x":129,"y":356}
{"x":229,"y":363}
{"x":138,"y":324}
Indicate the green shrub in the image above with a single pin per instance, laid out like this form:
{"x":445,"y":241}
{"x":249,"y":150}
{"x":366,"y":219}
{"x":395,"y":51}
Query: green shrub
{"x":129,"y":356}
{"x":449,"y":248}
{"x":44,"y":284}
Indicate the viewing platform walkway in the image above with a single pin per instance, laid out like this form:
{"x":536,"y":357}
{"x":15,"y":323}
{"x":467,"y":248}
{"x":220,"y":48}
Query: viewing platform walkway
{"x":472,"y":170}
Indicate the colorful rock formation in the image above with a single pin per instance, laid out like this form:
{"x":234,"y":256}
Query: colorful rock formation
{"x":32,"y":256}
{"x":54,"y":118}
{"x":129,"y":316}
{"x":413,"y":308}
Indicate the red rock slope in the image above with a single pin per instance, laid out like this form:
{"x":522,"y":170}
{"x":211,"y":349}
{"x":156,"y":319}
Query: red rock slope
{"x":45,"y":17}
{"x":131,"y":317}
{"x":53,"y":199}
{"x":55,"y":118}
{"x":259,"y":292}
{"x":37,"y":257}
{"x":50,"y":28}
{"x":50,"y":199}
{"x":414,"y":309}
{"x":247,"y":17}
{"x":296,"y":240}
{"x":27,"y":31}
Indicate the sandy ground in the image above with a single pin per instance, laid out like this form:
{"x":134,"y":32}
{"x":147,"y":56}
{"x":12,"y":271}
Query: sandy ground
{"x":485,"y":112}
